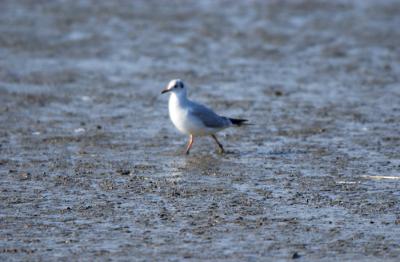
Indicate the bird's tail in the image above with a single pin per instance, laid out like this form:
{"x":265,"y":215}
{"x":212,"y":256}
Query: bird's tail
{"x":238,"y":122}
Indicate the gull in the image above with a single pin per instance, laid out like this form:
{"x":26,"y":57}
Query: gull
{"x":194,"y":119}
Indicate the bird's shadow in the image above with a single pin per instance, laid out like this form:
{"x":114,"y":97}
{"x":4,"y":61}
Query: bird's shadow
{"x":199,"y":160}
{"x":205,"y":162}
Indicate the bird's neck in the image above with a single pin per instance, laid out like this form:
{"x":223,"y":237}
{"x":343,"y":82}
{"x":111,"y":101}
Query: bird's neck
{"x":178,"y":99}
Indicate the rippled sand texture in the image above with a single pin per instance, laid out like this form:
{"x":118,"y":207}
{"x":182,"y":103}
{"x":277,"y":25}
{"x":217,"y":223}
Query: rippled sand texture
{"x":91,"y":167}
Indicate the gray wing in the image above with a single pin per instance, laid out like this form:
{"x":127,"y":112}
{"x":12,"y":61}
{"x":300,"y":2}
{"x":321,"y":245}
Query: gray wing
{"x":208,"y":117}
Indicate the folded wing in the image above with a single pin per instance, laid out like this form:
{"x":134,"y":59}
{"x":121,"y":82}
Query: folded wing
{"x":208,"y":117}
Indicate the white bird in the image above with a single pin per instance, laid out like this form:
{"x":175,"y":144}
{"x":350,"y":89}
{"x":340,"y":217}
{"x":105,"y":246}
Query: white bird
{"x":194,"y":119}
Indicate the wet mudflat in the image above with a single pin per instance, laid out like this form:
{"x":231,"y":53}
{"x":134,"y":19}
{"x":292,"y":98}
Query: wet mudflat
{"x":92,"y":168}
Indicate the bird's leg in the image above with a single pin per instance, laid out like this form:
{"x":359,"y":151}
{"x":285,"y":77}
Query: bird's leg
{"x":189,"y":146}
{"x":221,"y":148}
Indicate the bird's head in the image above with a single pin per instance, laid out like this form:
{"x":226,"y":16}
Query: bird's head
{"x":175,"y":86}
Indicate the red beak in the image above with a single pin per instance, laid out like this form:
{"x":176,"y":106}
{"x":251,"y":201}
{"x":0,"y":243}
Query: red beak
{"x":165,"y":90}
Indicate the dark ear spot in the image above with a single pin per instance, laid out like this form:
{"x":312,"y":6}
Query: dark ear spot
{"x":181,"y":85}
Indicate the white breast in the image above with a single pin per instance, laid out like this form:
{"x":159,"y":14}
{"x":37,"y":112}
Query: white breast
{"x":177,"y":114}
{"x":181,"y":118}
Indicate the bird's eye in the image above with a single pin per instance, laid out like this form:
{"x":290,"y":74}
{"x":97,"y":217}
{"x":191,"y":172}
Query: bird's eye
{"x":175,"y":86}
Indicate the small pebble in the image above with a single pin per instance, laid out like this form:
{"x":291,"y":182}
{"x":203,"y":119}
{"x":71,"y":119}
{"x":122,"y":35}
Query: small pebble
{"x":24,"y":176}
{"x":295,"y":255}
{"x":123,"y":172}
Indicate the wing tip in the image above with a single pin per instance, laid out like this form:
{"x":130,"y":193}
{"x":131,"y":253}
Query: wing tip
{"x":238,"y":122}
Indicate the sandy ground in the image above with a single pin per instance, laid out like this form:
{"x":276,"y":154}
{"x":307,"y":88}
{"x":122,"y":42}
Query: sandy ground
{"x":91,"y":167}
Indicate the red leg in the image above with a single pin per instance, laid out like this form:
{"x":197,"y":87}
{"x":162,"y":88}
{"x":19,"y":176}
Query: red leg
{"x":221,"y":148}
{"x":189,"y":146}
